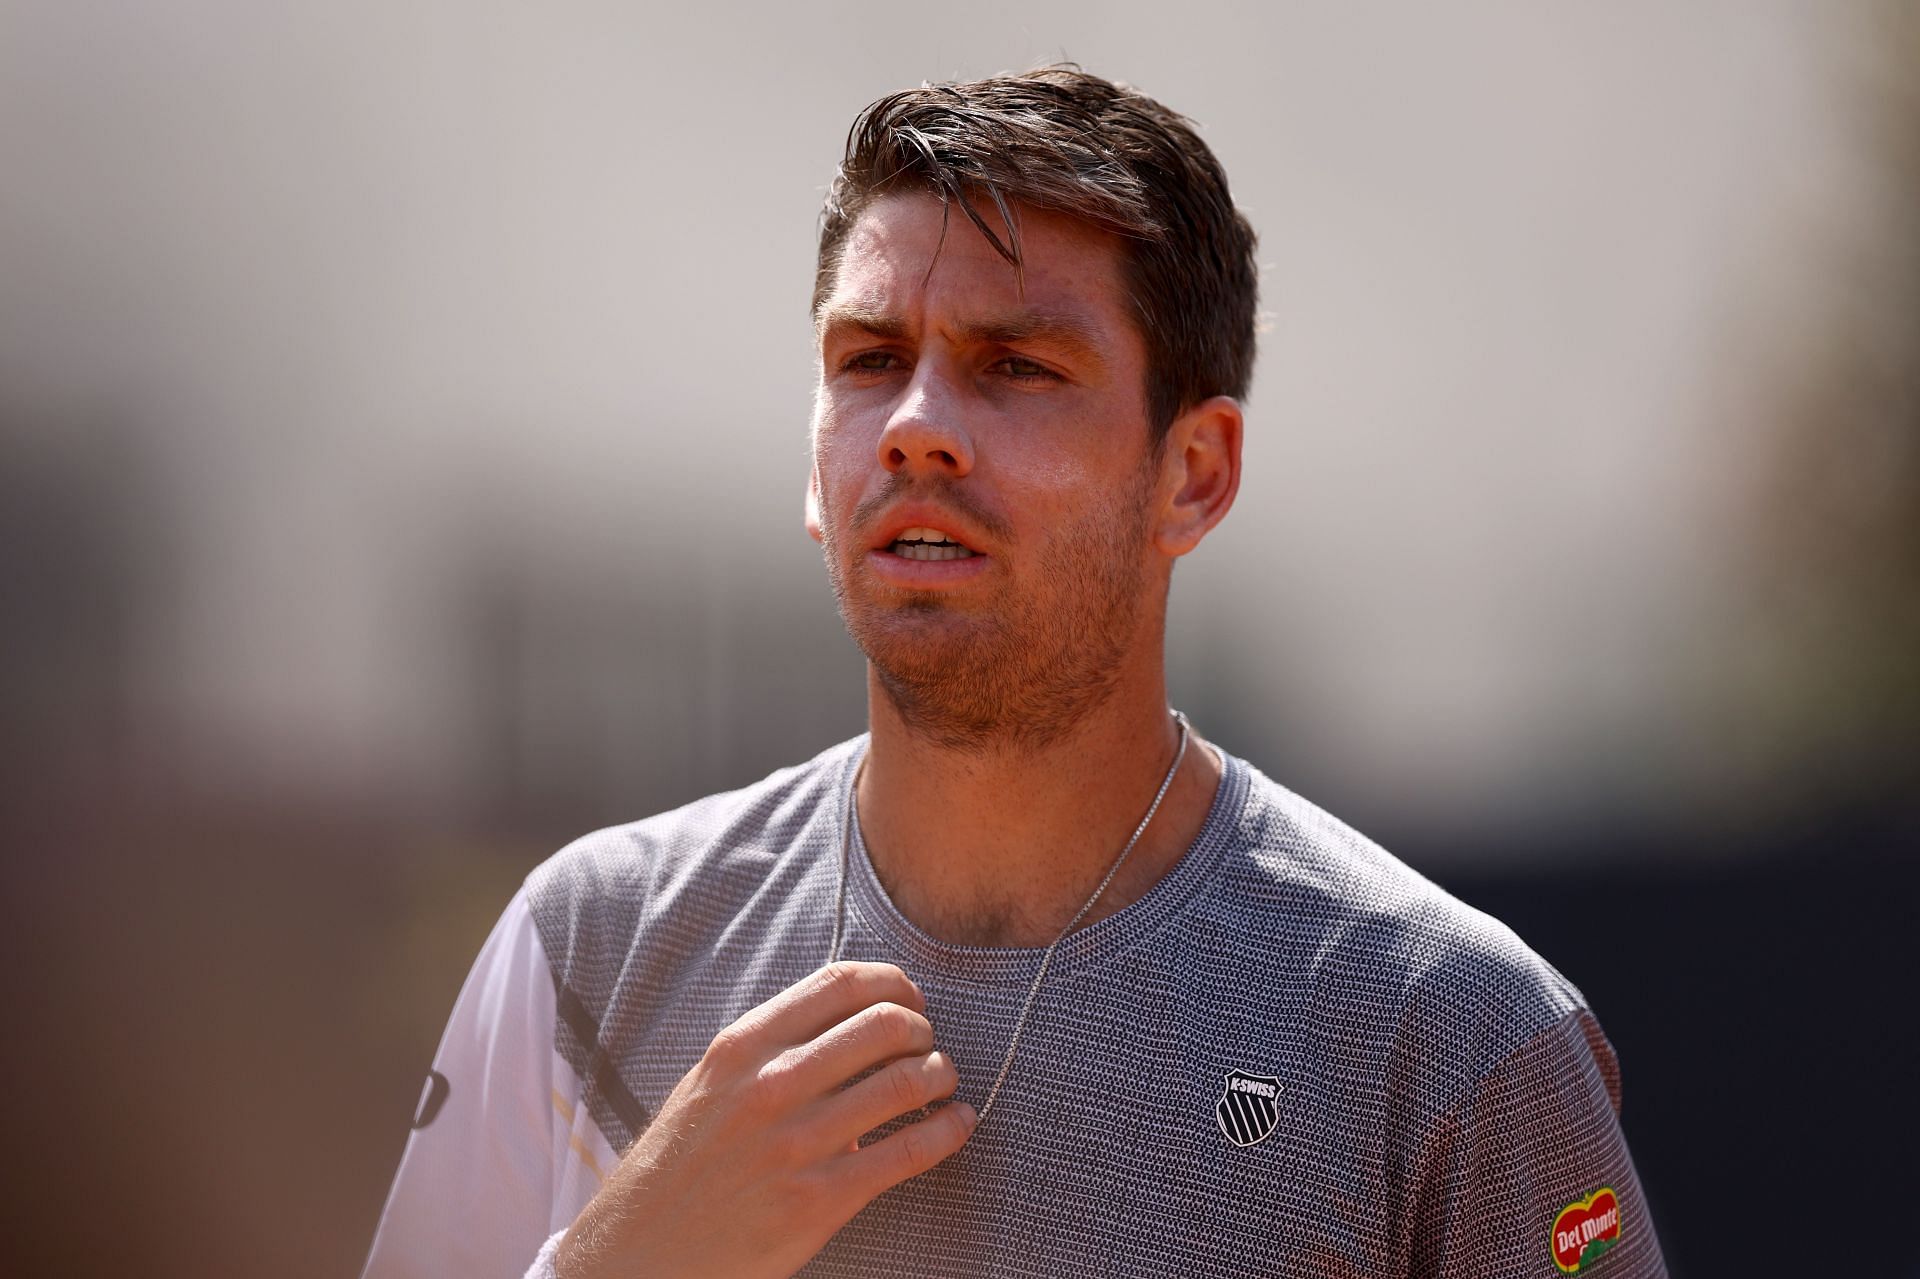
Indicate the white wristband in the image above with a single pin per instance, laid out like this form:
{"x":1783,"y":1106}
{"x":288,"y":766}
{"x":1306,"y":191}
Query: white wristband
{"x":542,"y":1267}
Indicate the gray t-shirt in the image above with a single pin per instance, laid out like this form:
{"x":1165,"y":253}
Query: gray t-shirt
{"x":1293,"y":1056}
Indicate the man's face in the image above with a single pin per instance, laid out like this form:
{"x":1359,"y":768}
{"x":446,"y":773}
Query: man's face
{"x":984,"y":482}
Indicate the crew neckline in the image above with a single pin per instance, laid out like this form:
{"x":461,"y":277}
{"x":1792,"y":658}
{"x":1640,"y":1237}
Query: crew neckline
{"x":921,"y":953}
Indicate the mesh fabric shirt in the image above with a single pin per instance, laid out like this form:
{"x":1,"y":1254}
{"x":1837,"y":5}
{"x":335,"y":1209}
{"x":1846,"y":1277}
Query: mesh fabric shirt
{"x":1293,"y":1056}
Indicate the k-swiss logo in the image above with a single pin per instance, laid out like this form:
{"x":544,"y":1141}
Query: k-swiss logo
{"x":1248,"y":1108}
{"x":1585,"y":1229}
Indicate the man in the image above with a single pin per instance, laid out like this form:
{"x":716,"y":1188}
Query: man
{"x":1102,"y":999}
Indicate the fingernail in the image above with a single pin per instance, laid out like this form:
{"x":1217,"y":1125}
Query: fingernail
{"x":968,"y":1115}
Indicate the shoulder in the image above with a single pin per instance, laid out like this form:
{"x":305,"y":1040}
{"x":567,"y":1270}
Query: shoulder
{"x":604,"y":886}
{"x":1379,"y":943}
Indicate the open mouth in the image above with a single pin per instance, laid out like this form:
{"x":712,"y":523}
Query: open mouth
{"x":928,"y":544}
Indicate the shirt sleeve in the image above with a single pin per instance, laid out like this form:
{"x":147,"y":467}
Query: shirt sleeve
{"x":1530,"y":1174}
{"x":474,"y":1193}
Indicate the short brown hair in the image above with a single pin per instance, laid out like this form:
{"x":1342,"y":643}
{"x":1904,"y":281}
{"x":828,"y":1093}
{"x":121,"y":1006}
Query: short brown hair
{"x":1059,"y":139}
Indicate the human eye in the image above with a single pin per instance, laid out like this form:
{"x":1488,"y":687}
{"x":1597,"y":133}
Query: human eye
{"x":870,"y":362}
{"x":1018,"y":368}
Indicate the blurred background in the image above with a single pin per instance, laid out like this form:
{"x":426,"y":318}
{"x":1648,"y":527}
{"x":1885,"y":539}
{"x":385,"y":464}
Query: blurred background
{"x":402,"y":438}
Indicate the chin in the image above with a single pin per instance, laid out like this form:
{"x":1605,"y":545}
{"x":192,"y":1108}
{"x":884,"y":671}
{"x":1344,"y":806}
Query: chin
{"x":922,"y":638}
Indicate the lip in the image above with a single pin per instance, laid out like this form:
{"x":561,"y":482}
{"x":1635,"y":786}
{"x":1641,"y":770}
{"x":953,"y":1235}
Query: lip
{"x":924,"y":575}
{"x":901,"y":518}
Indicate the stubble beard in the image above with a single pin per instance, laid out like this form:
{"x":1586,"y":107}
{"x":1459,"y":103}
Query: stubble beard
{"x":1019,"y":678}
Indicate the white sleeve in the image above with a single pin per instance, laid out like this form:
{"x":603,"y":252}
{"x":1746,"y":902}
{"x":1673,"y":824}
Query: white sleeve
{"x":475,"y":1192}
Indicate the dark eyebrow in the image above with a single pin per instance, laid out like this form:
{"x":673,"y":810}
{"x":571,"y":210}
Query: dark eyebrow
{"x":866,"y":319}
{"x":1055,"y":328}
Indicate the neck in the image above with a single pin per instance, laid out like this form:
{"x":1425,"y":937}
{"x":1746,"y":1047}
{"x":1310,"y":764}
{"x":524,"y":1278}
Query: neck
{"x":1000,"y":845}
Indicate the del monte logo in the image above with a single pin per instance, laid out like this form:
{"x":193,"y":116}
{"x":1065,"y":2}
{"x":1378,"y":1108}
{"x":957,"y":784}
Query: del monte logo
{"x":1585,"y":1229}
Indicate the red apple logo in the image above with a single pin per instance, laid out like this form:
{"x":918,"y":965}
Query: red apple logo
{"x":1586,"y":1229}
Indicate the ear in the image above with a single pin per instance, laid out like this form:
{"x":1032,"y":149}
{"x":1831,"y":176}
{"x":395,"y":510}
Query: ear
{"x":813,"y":503}
{"x":1199,"y":473}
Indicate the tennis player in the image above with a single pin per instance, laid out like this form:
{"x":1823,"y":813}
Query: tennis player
{"x":1030,"y":978}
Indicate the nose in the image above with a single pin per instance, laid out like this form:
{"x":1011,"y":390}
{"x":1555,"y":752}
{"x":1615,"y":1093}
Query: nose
{"x":926,"y":434}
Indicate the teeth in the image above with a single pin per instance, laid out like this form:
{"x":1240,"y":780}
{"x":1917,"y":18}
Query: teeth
{"x":929,"y":544}
{"x":921,"y":551}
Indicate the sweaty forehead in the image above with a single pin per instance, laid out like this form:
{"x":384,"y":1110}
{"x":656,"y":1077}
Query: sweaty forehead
{"x":900,"y":261}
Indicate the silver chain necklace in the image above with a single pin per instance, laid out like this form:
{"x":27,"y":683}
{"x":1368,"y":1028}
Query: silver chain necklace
{"x":1046,"y":960}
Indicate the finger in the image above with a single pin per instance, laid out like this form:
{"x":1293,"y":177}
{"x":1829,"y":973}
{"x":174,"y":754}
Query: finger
{"x":871,"y":1037}
{"x":897,"y":1089}
{"x":824,"y":999}
{"x":911,"y":1151}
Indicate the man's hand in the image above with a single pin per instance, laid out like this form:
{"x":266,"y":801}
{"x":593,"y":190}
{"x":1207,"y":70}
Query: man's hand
{"x":755,"y":1160}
